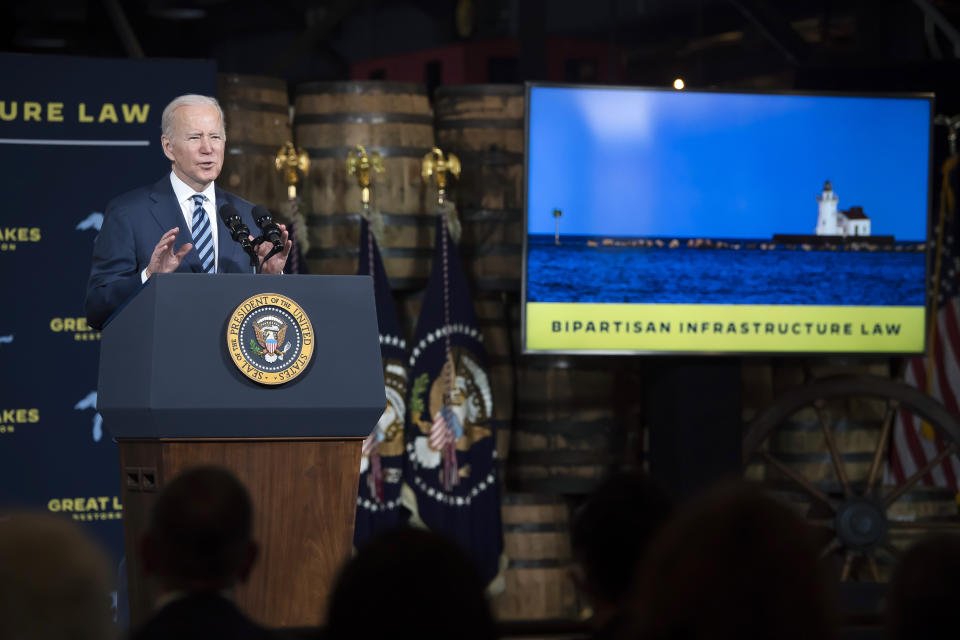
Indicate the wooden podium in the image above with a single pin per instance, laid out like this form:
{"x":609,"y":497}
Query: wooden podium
{"x":171,"y":395}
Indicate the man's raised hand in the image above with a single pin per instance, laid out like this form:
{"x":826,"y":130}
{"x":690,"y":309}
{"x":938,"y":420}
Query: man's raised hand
{"x":163,"y":259}
{"x":275,"y":264}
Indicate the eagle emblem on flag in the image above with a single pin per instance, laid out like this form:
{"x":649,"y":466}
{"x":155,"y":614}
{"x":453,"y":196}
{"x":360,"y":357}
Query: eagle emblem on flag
{"x":460,"y":417}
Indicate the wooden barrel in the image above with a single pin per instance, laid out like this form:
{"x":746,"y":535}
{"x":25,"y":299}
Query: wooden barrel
{"x":536,"y":540}
{"x":395,"y":120}
{"x":800,"y":442}
{"x":923,"y":507}
{"x":483,"y":125}
{"x":257,"y":113}
{"x":801,"y":445}
{"x":573,"y":425}
{"x":498,"y":317}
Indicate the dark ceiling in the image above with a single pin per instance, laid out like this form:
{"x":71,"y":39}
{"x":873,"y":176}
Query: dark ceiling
{"x":809,"y":44}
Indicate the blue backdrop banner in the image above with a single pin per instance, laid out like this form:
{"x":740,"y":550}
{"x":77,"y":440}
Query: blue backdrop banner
{"x":74,"y":133}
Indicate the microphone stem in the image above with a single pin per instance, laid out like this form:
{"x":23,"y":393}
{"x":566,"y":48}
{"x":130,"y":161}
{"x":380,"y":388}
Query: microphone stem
{"x":272,"y":253}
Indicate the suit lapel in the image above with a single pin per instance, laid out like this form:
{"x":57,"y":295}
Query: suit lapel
{"x":168,"y":214}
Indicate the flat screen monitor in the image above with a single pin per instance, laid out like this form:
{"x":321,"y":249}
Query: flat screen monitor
{"x":684,"y":222}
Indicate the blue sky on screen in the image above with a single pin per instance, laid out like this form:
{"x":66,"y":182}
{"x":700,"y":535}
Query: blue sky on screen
{"x":661,"y":163}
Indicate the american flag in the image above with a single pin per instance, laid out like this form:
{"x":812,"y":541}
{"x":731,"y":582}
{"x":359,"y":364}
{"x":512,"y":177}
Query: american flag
{"x":915,"y":444}
{"x":369,"y":444}
{"x":440,"y":433}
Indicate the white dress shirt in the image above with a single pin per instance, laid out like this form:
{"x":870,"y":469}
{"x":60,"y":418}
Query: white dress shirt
{"x":184,"y":195}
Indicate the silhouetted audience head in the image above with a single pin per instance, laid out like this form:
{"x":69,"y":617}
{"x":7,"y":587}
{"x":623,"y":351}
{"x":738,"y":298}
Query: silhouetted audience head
{"x":200,"y":532}
{"x":409,"y":583}
{"x":733,"y":564}
{"x":55,"y":581}
{"x":925,"y":590}
{"x":609,"y":535}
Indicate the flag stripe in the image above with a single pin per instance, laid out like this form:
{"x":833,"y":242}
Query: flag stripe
{"x":913,"y":425}
{"x":946,"y":363}
{"x":918,"y":441}
{"x":908,"y":428}
{"x":945,"y":385}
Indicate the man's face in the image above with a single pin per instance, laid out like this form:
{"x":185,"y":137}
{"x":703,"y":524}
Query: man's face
{"x":196,"y":145}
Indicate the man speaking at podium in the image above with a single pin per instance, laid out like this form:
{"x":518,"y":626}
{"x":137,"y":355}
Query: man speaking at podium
{"x":174,"y":224}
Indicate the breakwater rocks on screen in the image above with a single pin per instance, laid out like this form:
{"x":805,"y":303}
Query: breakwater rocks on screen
{"x":754,"y":245}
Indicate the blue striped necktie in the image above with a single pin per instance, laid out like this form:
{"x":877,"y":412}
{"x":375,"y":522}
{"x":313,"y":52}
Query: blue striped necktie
{"x":203,"y":234}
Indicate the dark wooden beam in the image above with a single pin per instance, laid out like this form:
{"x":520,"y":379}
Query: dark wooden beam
{"x":776,"y":28}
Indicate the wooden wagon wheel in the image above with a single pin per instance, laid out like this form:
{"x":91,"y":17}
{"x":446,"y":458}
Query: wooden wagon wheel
{"x":855,"y":516}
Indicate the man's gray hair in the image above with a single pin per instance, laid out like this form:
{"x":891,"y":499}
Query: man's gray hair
{"x":188,"y":100}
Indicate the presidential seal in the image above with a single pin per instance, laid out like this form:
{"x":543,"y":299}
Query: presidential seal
{"x":270,"y":338}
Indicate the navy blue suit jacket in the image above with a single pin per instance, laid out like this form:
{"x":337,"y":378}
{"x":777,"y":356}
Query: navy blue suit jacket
{"x":132,"y":226}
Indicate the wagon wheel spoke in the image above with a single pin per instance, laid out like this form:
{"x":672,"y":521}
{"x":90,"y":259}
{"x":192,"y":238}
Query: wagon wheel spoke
{"x":834,"y":545}
{"x":832,"y":446}
{"x":847,"y":566}
{"x":915,"y":478}
{"x":874,"y":474}
{"x":799,"y":479}
{"x":874,"y":569}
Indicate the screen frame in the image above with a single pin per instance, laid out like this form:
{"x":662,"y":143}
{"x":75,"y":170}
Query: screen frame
{"x":930,"y":97}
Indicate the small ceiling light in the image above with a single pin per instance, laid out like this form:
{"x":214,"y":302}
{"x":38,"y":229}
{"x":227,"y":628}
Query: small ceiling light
{"x":678,"y":84}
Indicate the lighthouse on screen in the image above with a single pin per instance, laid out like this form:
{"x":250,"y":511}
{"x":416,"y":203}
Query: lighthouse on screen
{"x":827,"y":216}
{"x":831,"y":222}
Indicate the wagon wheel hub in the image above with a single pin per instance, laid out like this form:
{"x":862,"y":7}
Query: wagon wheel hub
{"x":861,"y":524}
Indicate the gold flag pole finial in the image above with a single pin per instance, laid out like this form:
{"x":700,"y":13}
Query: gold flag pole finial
{"x":363,"y":165}
{"x":438,"y":164}
{"x":289,"y":161}
{"x":360,"y":163}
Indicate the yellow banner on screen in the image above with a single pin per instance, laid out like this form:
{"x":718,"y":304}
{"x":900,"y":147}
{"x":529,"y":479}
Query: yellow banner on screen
{"x":558,"y":326}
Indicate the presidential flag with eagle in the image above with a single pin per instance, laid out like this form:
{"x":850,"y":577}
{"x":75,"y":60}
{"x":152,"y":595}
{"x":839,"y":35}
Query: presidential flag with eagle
{"x":450,"y":474}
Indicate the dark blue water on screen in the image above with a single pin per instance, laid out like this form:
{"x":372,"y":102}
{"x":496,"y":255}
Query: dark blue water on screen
{"x":575,"y":272}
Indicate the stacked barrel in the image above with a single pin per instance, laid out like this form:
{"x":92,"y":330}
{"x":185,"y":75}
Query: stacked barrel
{"x":257,"y":112}
{"x":393,"y":119}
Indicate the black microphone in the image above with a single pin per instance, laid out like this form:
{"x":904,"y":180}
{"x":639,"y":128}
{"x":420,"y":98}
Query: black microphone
{"x":238,"y":231}
{"x":270,"y":230}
